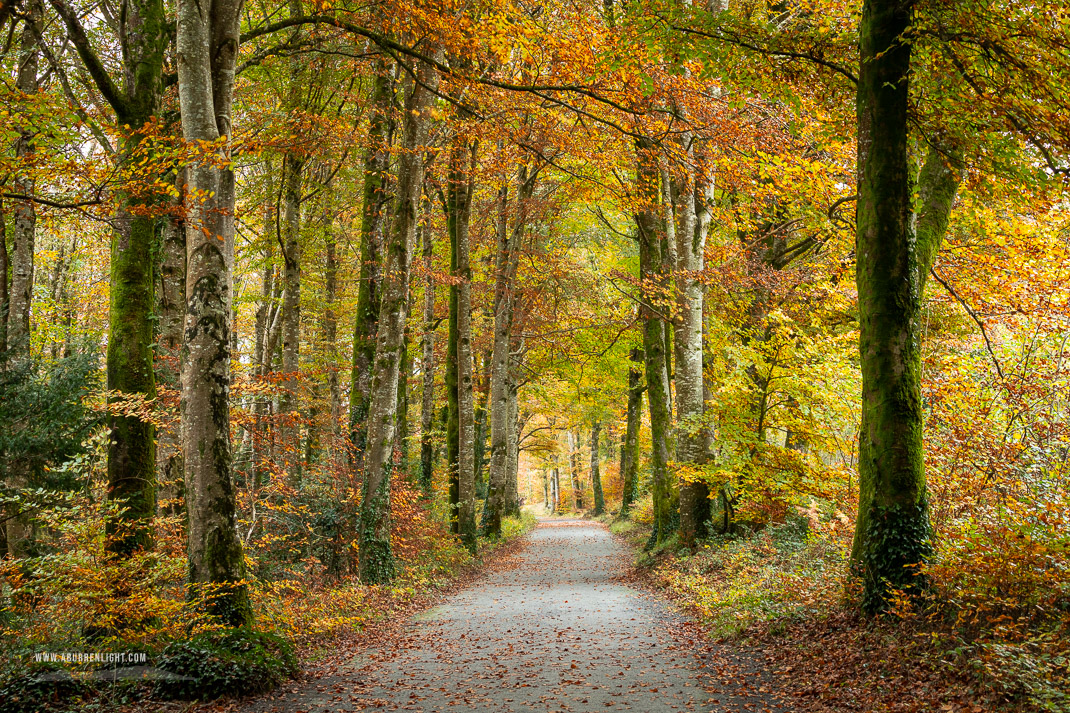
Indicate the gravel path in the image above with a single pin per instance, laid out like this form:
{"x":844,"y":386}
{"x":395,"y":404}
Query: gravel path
{"x":555,"y":629}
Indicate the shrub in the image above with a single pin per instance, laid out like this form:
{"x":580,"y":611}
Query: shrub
{"x":28,"y":688}
{"x":230,"y":662}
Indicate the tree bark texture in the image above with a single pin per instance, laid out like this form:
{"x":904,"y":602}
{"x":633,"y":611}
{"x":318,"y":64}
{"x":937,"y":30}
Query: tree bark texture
{"x":376,"y":556}
{"x":427,"y":404}
{"x":171,"y":304}
{"x":690,"y":397}
{"x":207,"y":48}
{"x":372,"y":244}
{"x":596,"y":474}
{"x":652,"y":272}
{"x":892,"y":534}
{"x":501,"y":428}
{"x":292,"y":181}
{"x":629,"y":451}
{"x":461,"y":427}
{"x":23,"y":221}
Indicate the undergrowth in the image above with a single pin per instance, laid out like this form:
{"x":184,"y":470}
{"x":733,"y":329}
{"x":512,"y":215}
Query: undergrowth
{"x":51,"y":603}
{"x":790,"y":579}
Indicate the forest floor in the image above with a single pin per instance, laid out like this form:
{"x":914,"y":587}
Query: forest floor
{"x":552,"y":625}
{"x":824,"y":658}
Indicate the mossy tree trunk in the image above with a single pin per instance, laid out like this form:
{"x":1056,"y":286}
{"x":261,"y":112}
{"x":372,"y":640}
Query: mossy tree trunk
{"x":23,"y":222}
{"x":376,"y":555}
{"x":501,"y":399}
{"x":138,"y":227}
{"x":460,"y":431}
{"x":482,"y":424}
{"x":427,"y":344}
{"x":293,"y":167}
{"x":207,"y":50}
{"x":372,"y":237}
{"x":892,"y":535}
{"x":651,"y":270}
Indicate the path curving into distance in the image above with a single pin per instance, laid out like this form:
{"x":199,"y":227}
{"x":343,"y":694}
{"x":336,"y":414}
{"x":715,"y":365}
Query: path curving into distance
{"x":556,"y":629}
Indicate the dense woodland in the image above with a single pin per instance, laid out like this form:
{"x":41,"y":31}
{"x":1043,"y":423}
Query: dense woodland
{"x":302,"y":301}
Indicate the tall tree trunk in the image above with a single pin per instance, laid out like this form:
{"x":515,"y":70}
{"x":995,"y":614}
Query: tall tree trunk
{"x":892,"y":534}
{"x":651,"y":269}
{"x":461,"y":428}
{"x":130,"y":371}
{"x":500,"y":399}
{"x":690,"y":398}
{"x":405,"y":371}
{"x":376,"y":555}
{"x":629,"y":450}
{"x":292,"y":179}
{"x":555,"y":491}
{"x":596,"y":474}
{"x":171,"y":304}
{"x":372,"y":244}
{"x":266,"y":312}
{"x":5,"y":281}
{"x":207,"y":49}
{"x":19,"y":531}
{"x":482,"y":423}
{"x":330,"y":323}
{"x":512,"y":445}
{"x":427,"y":403}
{"x":574,"y":469}
{"x":23,"y":221}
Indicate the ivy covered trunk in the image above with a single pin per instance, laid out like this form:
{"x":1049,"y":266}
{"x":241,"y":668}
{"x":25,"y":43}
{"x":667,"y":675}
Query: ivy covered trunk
{"x":651,"y":272}
{"x":372,"y":238}
{"x":460,"y":431}
{"x":207,"y":48}
{"x":892,"y":534}
{"x":376,"y":555}
{"x":629,"y":447}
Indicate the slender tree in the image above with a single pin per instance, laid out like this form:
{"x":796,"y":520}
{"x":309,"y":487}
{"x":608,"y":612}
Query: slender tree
{"x":23,"y":222}
{"x":460,"y":431}
{"x":376,"y":556}
{"x":376,"y":200}
{"x":596,"y":474}
{"x":651,"y":269}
